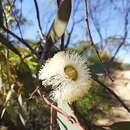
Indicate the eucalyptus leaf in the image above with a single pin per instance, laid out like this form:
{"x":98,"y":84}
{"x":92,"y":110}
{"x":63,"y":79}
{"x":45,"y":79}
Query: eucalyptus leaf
{"x":20,"y":100}
{"x":2,"y":113}
{"x":22,"y":119}
{"x":61,"y":21}
{"x":10,"y":92}
{"x":64,"y":123}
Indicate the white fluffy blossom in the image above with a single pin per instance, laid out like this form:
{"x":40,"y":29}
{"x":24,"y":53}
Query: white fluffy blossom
{"x":68,"y":75}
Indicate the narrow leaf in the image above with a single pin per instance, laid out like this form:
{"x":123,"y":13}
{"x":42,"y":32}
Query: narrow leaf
{"x":8,"y":96}
{"x":64,"y":123}
{"x":20,"y":101}
{"x":22,"y":119}
{"x":10,"y":92}
{"x":61,"y":21}
{"x":2,"y":113}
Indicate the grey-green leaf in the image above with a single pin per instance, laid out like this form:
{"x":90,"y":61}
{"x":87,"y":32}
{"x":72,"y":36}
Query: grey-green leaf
{"x":61,"y":21}
{"x":64,"y":123}
{"x":22,"y":119}
{"x":2,"y":113}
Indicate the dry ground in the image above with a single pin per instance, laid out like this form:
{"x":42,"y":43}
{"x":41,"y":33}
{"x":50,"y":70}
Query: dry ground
{"x":121,"y":86}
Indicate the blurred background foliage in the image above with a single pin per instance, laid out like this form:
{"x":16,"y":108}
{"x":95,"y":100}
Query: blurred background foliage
{"x":19,"y":79}
{"x":19,"y":68}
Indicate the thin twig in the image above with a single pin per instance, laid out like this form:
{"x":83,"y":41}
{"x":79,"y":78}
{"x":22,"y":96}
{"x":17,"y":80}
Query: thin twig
{"x":21,"y":40}
{"x":69,"y":36}
{"x":38,"y":20}
{"x":4,"y":40}
{"x":62,"y":43}
{"x":51,"y":118}
{"x":33,"y":93}
{"x":70,"y":118}
{"x":97,"y":27}
{"x":89,"y":125}
{"x":113,"y":93}
{"x":6,"y":29}
{"x":51,"y":104}
{"x":92,"y":42}
{"x":124,"y":37}
{"x":19,"y":28}
{"x":84,"y":120}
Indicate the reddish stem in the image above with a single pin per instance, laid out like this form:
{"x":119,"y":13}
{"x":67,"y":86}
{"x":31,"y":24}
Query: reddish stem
{"x":70,"y":118}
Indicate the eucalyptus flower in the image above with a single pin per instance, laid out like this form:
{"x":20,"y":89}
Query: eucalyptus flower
{"x":68,"y":75}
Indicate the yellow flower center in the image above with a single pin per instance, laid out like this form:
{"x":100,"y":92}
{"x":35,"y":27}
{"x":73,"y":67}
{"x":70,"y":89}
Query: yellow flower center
{"x":71,"y":72}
